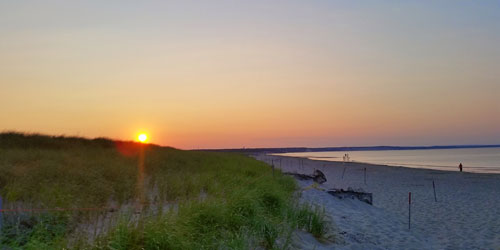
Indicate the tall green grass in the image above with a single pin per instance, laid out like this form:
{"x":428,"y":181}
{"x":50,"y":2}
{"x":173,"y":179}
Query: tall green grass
{"x":214,"y":200}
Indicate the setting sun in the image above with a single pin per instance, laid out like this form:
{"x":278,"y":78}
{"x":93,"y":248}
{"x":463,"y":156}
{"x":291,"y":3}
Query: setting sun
{"x":142,"y":137}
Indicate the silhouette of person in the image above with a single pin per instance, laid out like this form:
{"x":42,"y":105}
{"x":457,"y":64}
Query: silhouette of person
{"x":460,"y":167}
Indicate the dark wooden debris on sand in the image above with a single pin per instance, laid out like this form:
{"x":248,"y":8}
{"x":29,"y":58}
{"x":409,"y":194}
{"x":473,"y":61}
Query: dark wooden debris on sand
{"x":352,"y":194}
{"x":320,"y":178}
{"x":317,"y":176}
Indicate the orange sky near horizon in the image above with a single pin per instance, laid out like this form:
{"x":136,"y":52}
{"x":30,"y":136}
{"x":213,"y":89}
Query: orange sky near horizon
{"x":232,"y":75}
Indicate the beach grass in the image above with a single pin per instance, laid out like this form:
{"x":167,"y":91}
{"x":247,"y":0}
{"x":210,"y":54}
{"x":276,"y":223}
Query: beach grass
{"x":189,"y":199}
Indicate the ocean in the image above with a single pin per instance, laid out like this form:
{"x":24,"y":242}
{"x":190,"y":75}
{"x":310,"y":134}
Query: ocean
{"x":477,"y":160}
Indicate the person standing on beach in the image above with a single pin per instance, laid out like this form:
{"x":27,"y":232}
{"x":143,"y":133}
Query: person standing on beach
{"x":460,"y":167}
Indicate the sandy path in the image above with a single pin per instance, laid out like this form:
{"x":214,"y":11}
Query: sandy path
{"x":466,"y":216}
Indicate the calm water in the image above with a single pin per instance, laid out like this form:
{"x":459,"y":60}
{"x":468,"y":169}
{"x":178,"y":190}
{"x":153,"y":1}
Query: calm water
{"x":480,"y":160}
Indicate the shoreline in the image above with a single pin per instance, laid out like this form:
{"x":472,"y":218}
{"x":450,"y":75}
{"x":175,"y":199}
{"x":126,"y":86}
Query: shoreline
{"x":464,"y":216}
{"x":379,"y":165}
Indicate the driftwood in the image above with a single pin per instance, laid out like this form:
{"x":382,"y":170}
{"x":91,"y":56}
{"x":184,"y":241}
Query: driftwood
{"x":350,"y":193}
{"x":317,"y":176}
{"x":320,"y":178}
{"x":301,"y":177}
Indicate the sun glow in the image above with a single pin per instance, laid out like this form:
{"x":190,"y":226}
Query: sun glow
{"x":142,"y":137}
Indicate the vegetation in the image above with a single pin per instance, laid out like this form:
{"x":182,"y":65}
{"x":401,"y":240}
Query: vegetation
{"x":193,"y":200}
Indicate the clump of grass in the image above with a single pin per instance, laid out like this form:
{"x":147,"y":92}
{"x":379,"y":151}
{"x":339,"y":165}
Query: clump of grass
{"x":217,"y":200}
{"x":43,"y":231}
{"x":311,"y":219}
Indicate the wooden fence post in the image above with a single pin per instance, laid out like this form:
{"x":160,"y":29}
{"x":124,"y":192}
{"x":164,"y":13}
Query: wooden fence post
{"x":434,"y":187}
{"x":409,"y":210}
{"x":365,"y":176}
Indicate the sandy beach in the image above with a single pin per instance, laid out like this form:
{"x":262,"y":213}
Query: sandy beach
{"x":465,"y":216}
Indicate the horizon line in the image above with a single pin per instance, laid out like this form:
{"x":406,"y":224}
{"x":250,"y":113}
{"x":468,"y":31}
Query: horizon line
{"x":350,"y":148}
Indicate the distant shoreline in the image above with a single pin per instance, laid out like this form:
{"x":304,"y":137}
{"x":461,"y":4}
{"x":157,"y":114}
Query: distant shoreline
{"x":333,"y":149}
{"x":417,"y":158}
{"x":370,"y":164}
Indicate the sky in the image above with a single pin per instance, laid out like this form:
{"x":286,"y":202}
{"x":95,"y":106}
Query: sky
{"x":233,"y":74}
